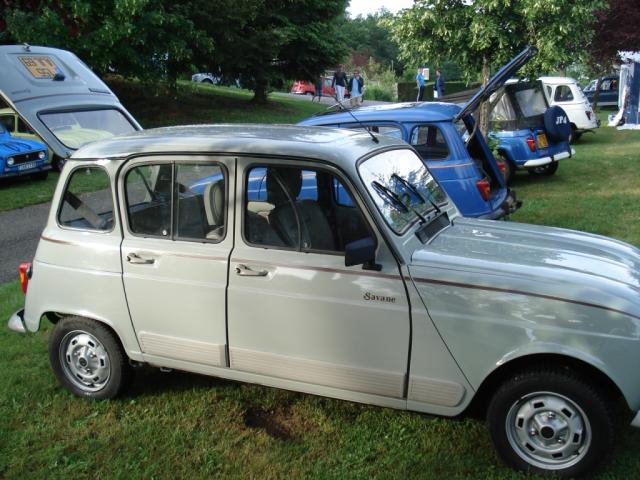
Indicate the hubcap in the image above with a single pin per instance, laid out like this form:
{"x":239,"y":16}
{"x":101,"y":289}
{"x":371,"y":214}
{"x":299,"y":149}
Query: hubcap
{"x":548,"y":430}
{"x":84,"y":361}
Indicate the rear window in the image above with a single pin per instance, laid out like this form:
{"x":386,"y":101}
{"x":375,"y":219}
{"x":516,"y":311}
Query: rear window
{"x":531,"y":102}
{"x":87,"y":202}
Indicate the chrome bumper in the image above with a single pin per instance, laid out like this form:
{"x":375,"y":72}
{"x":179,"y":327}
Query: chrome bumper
{"x":16,"y":322}
{"x":636,"y":421}
{"x":538,"y":162}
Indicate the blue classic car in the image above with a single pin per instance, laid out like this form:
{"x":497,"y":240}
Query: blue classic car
{"x":446,"y":137}
{"x":22,"y":157}
{"x":531,"y":134}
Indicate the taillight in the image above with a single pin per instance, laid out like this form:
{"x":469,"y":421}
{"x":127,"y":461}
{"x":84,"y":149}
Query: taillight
{"x":25,"y":270}
{"x":532,"y":144}
{"x":502,"y":167}
{"x":484,"y":188}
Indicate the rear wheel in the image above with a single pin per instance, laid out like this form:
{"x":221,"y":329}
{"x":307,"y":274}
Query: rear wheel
{"x":544,"y":170}
{"x":87,"y":358}
{"x":551,"y":421}
{"x":575,"y":136}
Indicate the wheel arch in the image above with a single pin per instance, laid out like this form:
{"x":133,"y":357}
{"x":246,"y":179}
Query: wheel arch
{"x":555,"y":361}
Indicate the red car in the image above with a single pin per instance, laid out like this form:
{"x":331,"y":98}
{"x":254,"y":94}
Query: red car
{"x":305,"y":87}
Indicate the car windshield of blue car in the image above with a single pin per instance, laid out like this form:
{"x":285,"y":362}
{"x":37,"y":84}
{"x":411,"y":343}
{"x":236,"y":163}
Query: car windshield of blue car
{"x":531,"y":102}
{"x":77,"y":128}
{"x":400,"y":176}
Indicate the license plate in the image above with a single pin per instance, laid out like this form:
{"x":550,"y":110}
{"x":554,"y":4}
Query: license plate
{"x":40,"y":66}
{"x":542,"y":140}
{"x":27,"y":166}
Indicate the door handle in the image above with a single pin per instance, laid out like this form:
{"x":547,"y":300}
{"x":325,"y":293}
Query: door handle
{"x":136,"y":259}
{"x":245,"y":271}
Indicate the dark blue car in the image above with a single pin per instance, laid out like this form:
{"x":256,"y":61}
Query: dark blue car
{"x":20,"y":156}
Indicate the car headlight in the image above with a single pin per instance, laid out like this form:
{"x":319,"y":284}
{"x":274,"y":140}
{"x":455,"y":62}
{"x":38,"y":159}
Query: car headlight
{"x":10,"y":161}
{"x":41,"y":155}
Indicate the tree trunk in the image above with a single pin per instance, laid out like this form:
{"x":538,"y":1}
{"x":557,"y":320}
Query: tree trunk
{"x":260,"y":91}
{"x":483,"y":112}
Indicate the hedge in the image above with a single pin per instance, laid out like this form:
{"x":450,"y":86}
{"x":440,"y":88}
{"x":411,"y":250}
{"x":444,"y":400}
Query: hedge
{"x":408,"y":91}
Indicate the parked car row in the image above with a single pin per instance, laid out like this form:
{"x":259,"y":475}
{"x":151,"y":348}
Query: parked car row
{"x":329,"y":261}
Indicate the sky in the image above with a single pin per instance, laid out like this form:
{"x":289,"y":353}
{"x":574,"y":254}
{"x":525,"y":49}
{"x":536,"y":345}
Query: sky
{"x":364,"y":7}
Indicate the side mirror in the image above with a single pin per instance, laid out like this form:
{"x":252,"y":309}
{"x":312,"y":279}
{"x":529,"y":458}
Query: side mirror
{"x":360,"y":252}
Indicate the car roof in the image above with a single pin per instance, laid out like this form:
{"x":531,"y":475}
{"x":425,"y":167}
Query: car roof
{"x":557,"y":80}
{"x":341,"y":147}
{"x":402,"y":112}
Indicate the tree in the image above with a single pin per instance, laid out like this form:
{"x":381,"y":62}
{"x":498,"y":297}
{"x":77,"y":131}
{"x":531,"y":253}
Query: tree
{"x":486,"y":33}
{"x":262,"y":41}
{"x":616,"y":30}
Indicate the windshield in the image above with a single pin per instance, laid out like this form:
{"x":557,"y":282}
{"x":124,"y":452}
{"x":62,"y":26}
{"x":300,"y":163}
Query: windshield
{"x":75,"y":129}
{"x":397,"y":171}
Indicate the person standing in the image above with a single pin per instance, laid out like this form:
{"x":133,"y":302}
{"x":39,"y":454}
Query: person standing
{"x":318,"y":86}
{"x":356,"y":87}
{"x":438,"y":87}
{"x":420,"y":83}
{"x":339,"y":82}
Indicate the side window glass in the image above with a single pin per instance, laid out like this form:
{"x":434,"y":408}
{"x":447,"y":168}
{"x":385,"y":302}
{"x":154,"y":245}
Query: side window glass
{"x":563,"y":94}
{"x":148,"y":194}
{"x":7,"y":123}
{"x":23,"y":128}
{"x":303,"y":210}
{"x":549,"y":91}
{"x":389,"y":130}
{"x":429,"y":142}
{"x":87,"y":202}
{"x":200,"y":202}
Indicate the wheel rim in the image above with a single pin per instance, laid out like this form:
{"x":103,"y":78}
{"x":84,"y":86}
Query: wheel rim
{"x":85,"y":361}
{"x":548,"y":430}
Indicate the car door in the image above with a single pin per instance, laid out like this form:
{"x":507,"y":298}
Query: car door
{"x":174,"y":255}
{"x":295,"y":311}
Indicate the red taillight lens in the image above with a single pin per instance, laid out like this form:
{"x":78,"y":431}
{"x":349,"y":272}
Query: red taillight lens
{"x":484,"y":188}
{"x":502,"y":167}
{"x":25,"y":275}
{"x":532,"y":144}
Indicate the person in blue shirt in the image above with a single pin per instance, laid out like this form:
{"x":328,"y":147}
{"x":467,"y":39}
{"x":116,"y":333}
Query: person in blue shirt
{"x":420,"y":83}
{"x":356,"y":87}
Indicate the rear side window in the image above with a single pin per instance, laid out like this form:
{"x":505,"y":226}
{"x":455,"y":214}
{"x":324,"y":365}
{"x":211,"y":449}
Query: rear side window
{"x":563,"y":94}
{"x":6,"y":122}
{"x":181,"y":202}
{"x":429,"y":142}
{"x":87,"y":202}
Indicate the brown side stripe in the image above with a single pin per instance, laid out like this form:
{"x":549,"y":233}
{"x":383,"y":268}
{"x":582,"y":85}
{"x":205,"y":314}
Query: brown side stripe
{"x":520,"y":292}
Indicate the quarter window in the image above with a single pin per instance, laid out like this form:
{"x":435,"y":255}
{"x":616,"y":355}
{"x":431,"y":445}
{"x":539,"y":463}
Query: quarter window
{"x":563,"y":94}
{"x":87,"y":202}
{"x":301,"y":209}
{"x":182,"y":201}
{"x":429,"y":142}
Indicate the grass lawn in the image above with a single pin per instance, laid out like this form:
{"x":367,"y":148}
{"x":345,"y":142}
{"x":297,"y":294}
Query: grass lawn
{"x":181,"y":425}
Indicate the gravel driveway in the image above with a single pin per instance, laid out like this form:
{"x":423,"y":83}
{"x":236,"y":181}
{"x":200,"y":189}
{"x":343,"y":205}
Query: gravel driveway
{"x":19,"y":234}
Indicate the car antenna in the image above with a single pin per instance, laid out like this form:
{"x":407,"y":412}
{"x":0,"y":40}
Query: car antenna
{"x":373,"y":137}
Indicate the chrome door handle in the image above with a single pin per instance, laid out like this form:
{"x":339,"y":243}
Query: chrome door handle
{"x":138,"y":260}
{"x":245,"y":271}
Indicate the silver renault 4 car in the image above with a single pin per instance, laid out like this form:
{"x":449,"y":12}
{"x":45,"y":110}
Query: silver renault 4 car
{"x":328,"y":262}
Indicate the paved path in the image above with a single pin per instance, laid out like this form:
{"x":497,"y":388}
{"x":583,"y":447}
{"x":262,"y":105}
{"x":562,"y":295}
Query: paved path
{"x":19,"y":234}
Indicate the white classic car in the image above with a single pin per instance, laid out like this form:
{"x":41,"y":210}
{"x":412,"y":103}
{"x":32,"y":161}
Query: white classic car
{"x":331,"y":262}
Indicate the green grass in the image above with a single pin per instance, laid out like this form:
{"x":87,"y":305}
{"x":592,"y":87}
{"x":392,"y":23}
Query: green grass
{"x":182,"y":425}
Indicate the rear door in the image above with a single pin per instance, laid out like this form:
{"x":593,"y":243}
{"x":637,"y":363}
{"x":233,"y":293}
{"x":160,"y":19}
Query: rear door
{"x":175,"y":254}
{"x":60,"y":98}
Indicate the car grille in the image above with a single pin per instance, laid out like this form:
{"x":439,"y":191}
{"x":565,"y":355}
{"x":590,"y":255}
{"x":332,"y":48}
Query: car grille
{"x":25,"y":157}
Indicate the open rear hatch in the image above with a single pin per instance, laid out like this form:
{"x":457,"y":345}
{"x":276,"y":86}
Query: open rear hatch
{"x":60,"y":98}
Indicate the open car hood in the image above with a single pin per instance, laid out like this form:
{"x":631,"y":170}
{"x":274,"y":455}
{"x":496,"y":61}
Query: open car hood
{"x":38,"y":81}
{"x":497,"y":81}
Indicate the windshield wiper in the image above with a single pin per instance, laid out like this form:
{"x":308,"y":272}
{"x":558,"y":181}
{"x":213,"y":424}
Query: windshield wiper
{"x":394,"y":200}
{"x":413,"y":189}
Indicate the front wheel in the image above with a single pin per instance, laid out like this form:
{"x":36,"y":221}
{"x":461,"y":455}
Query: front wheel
{"x":544,"y":170}
{"x":551,"y":421}
{"x":87,"y":358}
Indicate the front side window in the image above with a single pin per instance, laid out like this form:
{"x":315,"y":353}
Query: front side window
{"x":300,"y":209}
{"x":563,"y":94}
{"x":182,"y":201}
{"x":6,"y":123}
{"x":75,"y":129}
{"x":87,"y":202}
{"x":401,"y":187}
{"x":24,"y":128}
{"x":429,"y":142}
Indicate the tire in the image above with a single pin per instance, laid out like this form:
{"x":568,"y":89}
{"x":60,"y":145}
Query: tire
{"x":544,"y":170}
{"x":207,"y":81}
{"x":509,"y":168}
{"x":40,"y":176}
{"x":557,"y":124}
{"x":575,"y":136}
{"x":87,"y":358}
{"x":533,"y":414}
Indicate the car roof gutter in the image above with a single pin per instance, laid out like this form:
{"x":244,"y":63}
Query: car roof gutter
{"x":497,"y":81}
